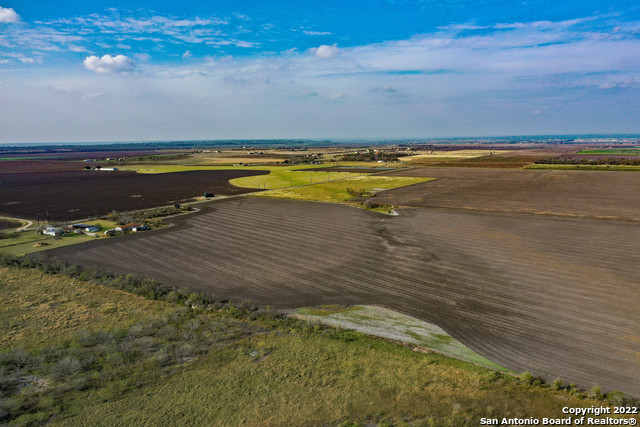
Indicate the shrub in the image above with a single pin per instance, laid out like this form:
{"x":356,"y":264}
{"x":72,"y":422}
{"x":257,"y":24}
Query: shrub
{"x":617,"y":398}
{"x":595,"y":392}
{"x":66,"y":367}
{"x":527,"y":378}
{"x":15,"y":358}
{"x":370,"y":204}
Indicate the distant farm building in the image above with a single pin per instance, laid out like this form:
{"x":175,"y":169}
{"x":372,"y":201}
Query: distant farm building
{"x":78,"y":228}
{"x":53,"y":231}
{"x":132,"y":227}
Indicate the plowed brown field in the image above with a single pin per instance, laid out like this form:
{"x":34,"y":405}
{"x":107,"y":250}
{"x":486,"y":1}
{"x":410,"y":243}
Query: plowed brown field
{"x":555,"y":296}
{"x":69,"y":195}
{"x":606,"y":194}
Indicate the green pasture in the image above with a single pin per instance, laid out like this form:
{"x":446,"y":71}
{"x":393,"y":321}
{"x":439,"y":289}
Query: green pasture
{"x":613,"y":151}
{"x":619,"y":168}
{"x":283,"y":178}
{"x":337,"y":191}
{"x":169,"y":168}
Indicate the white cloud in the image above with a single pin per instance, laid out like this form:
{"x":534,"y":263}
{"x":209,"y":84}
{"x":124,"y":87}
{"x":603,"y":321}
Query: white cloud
{"x":92,"y":95}
{"x":337,"y":96}
{"x":325,"y":51}
{"x":8,"y":15}
{"x":109,"y":64}
{"x":317,"y":33}
{"x":142,"y":57}
{"x":187,"y":55}
{"x":621,"y":82}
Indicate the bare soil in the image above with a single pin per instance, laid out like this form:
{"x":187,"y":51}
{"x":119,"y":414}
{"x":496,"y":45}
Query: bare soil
{"x":555,"y":296}
{"x":69,"y":195}
{"x":597,"y":194}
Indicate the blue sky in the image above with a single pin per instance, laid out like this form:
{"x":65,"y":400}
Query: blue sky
{"x":116,"y":71}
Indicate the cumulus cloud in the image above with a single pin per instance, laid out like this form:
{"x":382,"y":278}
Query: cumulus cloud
{"x":109,"y":64}
{"x":8,"y":15}
{"x":325,"y":51}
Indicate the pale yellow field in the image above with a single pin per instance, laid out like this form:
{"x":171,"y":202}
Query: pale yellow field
{"x":457,"y":154}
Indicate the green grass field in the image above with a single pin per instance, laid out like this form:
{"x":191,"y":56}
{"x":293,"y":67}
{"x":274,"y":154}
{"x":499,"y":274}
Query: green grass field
{"x":278,"y":179}
{"x":28,"y":242}
{"x":336,"y":191}
{"x":279,"y":176}
{"x":620,"y":168}
{"x":169,"y":168}
{"x":163,"y":363}
{"x":613,"y":151}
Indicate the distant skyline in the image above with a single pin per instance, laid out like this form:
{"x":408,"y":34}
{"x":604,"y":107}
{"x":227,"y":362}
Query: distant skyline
{"x":120,"y":71}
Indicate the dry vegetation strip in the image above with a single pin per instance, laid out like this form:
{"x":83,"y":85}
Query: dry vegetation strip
{"x":555,"y":296}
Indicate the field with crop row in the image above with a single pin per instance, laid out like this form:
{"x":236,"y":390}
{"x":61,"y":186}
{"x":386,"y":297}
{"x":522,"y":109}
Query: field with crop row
{"x":605,"y":194}
{"x":555,"y":296}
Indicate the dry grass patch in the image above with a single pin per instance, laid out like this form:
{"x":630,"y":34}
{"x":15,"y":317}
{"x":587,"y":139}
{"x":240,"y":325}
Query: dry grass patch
{"x":37,"y":309}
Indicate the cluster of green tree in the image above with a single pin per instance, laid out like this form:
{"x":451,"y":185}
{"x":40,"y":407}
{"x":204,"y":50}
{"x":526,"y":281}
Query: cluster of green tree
{"x":372,"y":156}
{"x":569,"y":161}
{"x":303,"y":158}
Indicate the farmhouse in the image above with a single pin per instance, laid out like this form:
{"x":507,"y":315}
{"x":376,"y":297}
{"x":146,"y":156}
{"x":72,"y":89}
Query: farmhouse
{"x":132,"y":227}
{"x":53,"y":231}
{"x":126,"y":227}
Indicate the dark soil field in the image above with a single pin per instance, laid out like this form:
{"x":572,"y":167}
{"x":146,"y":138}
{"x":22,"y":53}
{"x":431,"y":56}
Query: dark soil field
{"x":73,"y":154}
{"x":555,"y":296}
{"x":606,"y":194}
{"x":24,"y":166}
{"x":70,"y":195}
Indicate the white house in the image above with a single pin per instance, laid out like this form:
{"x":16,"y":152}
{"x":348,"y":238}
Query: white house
{"x":53,"y":231}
